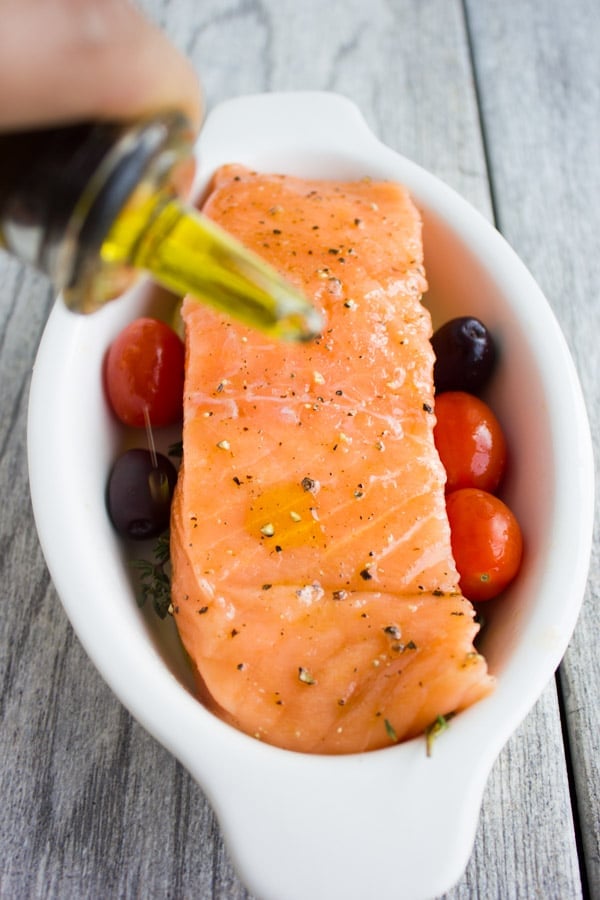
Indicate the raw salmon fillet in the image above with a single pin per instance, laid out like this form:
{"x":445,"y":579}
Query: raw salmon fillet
{"x":313,"y":581}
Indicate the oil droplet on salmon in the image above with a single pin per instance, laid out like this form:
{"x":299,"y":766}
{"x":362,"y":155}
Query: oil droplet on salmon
{"x":285,"y":514}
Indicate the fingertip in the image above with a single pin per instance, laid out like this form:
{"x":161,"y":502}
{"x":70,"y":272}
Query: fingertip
{"x":95,"y":60}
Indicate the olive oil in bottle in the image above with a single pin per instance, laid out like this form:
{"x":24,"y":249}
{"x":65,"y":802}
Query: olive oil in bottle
{"x":94,"y":204}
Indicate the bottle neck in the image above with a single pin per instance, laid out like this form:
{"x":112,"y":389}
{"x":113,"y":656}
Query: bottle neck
{"x":61,"y":190}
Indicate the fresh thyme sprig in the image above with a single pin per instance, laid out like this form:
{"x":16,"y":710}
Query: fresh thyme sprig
{"x":154,"y":577}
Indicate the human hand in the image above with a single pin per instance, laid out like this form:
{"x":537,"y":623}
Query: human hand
{"x":68,"y":60}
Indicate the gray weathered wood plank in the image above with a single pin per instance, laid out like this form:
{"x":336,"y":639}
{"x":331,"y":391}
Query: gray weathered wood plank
{"x":544,"y":150}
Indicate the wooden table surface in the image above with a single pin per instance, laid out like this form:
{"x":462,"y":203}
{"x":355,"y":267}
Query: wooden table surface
{"x":502,"y":101}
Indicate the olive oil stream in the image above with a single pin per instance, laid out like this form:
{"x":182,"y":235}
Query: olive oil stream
{"x":187,"y":253}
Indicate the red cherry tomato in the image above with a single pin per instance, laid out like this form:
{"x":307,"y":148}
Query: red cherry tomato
{"x":470,"y":442}
{"x":486,"y":542}
{"x":144,"y":369}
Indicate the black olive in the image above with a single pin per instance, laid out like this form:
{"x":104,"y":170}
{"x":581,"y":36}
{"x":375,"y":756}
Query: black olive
{"x":139,"y":494}
{"x":465,"y":356}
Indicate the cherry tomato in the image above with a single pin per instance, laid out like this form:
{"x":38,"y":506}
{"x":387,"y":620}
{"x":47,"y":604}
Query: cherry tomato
{"x":144,"y":369}
{"x":470,"y":442}
{"x":486,"y":542}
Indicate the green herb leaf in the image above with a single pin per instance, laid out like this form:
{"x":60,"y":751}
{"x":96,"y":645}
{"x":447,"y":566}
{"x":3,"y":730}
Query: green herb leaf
{"x":176,"y":449}
{"x":390,"y":731}
{"x":437,"y":727}
{"x":162,"y":549}
{"x":154,"y":578}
